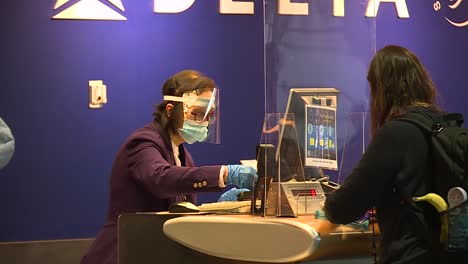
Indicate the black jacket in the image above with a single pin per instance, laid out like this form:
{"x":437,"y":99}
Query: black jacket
{"x":396,"y":164}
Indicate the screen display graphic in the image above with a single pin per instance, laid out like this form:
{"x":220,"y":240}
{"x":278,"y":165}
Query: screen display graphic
{"x":320,"y":141}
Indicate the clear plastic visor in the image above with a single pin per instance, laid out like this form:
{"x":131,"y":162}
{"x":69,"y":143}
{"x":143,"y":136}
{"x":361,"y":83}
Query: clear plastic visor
{"x":201,"y":107}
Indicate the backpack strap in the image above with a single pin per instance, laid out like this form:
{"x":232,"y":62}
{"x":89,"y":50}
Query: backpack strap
{"x":429,"y":126}
{"x":466,"y":162}
{"x":433,"y":124}
{"x":425,"y":123}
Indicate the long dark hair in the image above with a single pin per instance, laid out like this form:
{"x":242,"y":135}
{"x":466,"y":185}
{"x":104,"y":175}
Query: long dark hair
{"x":178,"y":84}
{"x":397,"y":81}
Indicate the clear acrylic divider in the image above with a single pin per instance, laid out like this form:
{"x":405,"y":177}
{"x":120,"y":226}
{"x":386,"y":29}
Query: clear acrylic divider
{"x":356,"y":139}
{"x":282,"y":188}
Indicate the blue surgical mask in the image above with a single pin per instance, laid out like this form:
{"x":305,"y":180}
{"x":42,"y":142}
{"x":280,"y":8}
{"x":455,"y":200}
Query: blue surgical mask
{"x":193,"y":131}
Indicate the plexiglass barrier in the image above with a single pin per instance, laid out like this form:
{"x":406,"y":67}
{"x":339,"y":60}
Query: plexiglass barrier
{"x":356,"y":138}
{"x":284,"y":188}
{"x":288,"y":184}
{"x":320,"y":45}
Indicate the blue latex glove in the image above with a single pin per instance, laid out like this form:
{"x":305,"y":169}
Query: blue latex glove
{"x":231,"y":195}
{"x":7,"y":144}
{"x":242,"y":176}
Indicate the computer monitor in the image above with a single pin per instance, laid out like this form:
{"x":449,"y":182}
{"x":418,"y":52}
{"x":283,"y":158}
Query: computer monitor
{"x":314,"y":111}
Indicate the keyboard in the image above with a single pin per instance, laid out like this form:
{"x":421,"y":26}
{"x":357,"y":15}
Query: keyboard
{"x":226,"y":207}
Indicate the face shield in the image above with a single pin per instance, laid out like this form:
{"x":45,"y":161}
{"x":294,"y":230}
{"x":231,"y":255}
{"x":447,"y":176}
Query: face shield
{"x":201,"y":115}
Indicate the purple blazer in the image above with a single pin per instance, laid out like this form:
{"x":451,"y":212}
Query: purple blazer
{"x":145,"y":178}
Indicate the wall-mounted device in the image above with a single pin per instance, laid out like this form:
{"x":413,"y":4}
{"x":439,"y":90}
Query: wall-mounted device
{"x":97,"y":93}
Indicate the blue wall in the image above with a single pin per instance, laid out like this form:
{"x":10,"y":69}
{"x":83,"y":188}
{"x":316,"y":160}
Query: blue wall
{"x":320,"y":50}
{"x":57,"y":183}
{"x":442,"y":47}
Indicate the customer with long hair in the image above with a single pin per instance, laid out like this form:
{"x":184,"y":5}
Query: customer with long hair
{"x":396,"y":163}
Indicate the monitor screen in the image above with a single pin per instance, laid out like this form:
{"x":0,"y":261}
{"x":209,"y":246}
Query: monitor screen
{"x":320,"y":141}
{"x":314,"y":111}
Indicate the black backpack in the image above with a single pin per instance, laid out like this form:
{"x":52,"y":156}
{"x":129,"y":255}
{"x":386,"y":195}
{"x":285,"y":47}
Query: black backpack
{"x":449,"y":149}
{"x":449,"y":158}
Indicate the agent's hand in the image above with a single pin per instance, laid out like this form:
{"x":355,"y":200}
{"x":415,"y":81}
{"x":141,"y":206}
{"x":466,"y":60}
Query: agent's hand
{"x":241,"y":176}
{"x":232,"y":194}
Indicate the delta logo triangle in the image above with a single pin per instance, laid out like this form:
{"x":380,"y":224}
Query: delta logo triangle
{"x":89,"y":10}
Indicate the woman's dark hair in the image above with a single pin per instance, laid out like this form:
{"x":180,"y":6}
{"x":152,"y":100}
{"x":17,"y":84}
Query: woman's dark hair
{"x":178,"y":84}
{"x":397,"y":81}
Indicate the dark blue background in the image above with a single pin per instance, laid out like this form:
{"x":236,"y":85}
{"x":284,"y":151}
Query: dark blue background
{"x":57,"y":183}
